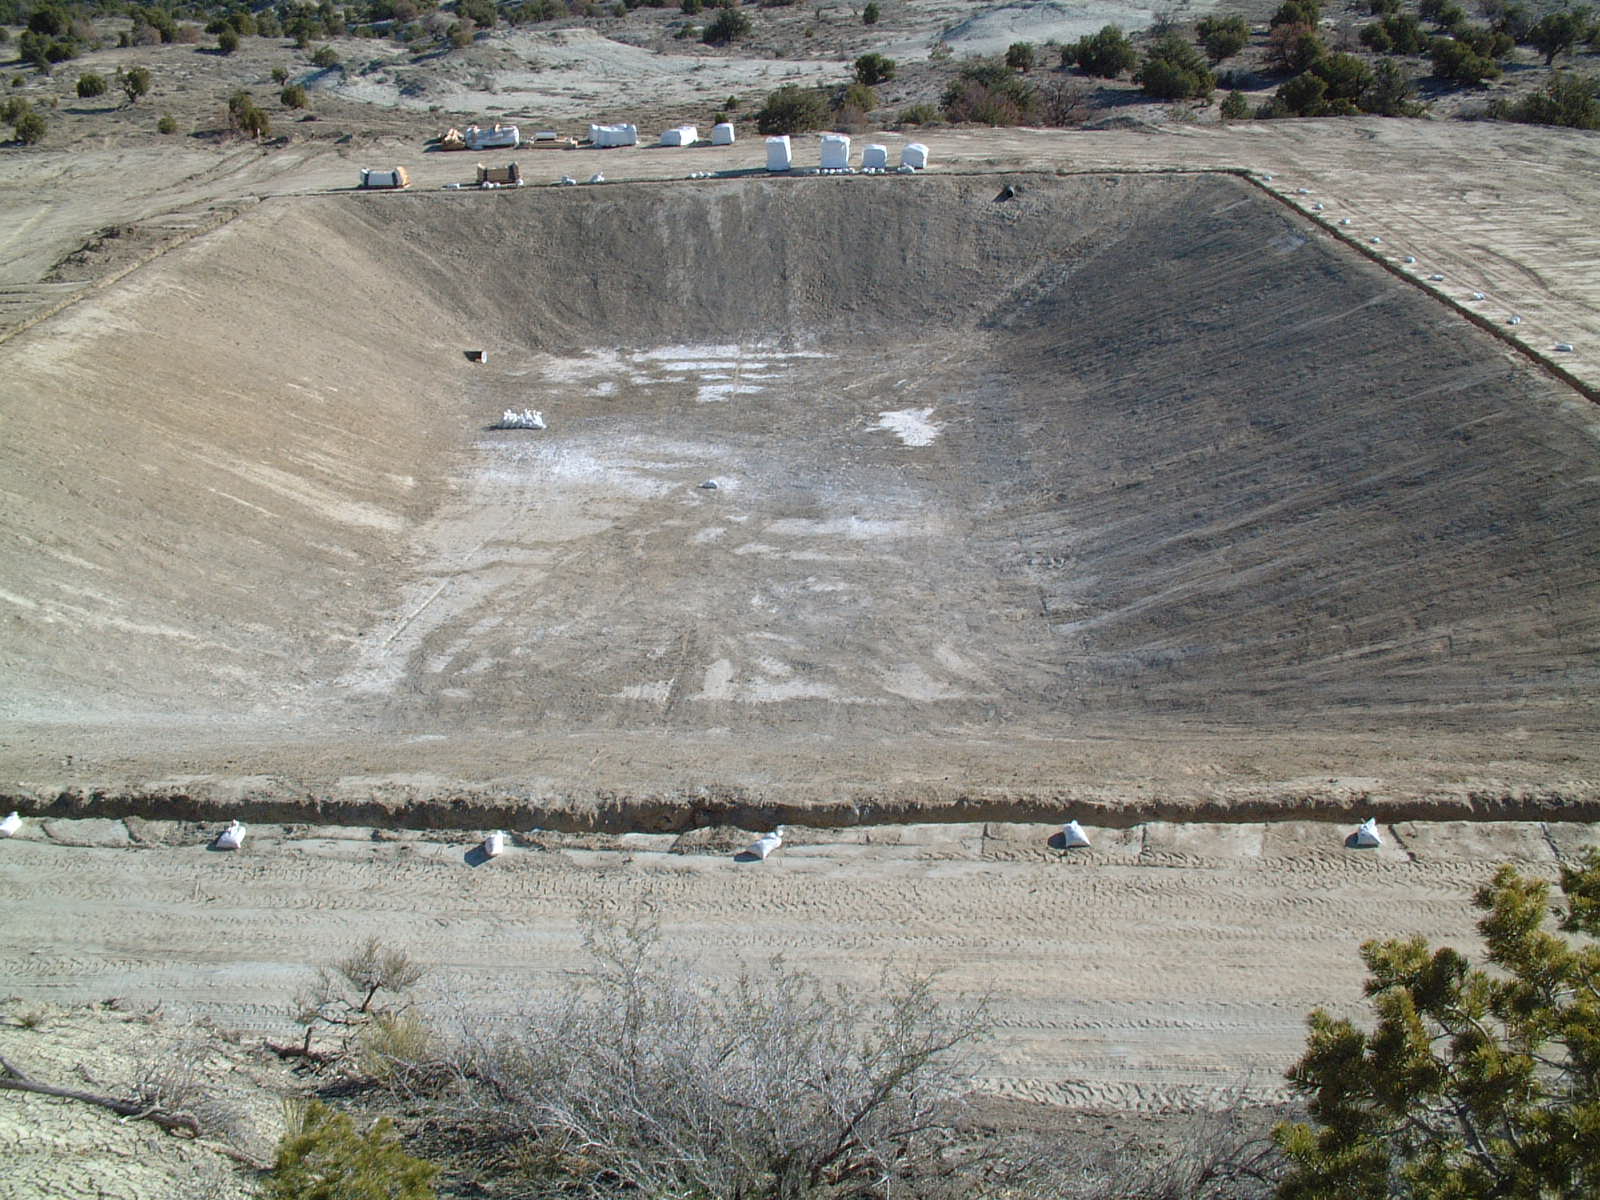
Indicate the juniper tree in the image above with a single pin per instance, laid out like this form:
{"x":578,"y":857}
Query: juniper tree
{"x":1475,"y":1082}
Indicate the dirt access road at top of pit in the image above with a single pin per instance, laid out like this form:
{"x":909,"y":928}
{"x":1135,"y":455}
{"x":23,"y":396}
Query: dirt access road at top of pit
{"x":379,"y":483}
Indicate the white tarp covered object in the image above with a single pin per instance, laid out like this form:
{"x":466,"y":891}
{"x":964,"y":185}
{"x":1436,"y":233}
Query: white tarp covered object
{"x":10,"y":826}
{"x":232,"y":837}
{"x":682,"y":135}
{"x":492,"y":137}
{"x":606,"y":137}
{"x":780,"y":155}
{"x":915,"y":154}
{"x":722,"y":133}
{"x":875,"y":156}
{"x":1367,"y":836}
{"x":1073,"y":837}
{"x":395,"y":177}
{"x":835,"y":151}
{"x":494,"y":845}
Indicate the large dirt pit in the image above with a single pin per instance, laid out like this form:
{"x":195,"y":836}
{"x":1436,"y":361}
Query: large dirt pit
{"x":1129,"y":482}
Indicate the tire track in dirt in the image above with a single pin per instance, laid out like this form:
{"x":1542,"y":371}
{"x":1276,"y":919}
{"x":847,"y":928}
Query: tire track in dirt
{"x":1130,"y":982}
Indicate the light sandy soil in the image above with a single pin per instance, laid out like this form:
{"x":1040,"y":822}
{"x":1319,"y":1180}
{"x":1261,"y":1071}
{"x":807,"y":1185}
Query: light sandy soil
{"x":64,"y":1148}
{"x":1171,"y":965}
{"x":565,"y":75}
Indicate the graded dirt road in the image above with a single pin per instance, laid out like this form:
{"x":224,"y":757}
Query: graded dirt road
{"x":1170,"y":965}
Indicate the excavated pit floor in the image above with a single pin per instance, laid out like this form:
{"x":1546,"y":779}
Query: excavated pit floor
{"x":1129,"y":488}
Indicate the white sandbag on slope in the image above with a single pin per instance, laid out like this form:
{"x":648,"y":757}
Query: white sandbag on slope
{"x":875,"y":157}
{"x":1366,"y":838}
{"x":1073,"y":837}
{"x":10,"y":826}
{"x":780,"y":155}
{"x":835,"y":151}
{"x":764,"y":845}
{"x":722,"y":134}
{"x":915,"y":155}
{"x":494,"y":845}
{"x":232,"y":837}
{"x":683,"y":135}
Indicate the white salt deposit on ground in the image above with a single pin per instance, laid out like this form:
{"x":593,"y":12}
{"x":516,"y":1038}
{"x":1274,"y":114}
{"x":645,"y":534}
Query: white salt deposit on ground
{"x":655,"y":692}
{"x":854,"y":528}
{"x":712,"y":393}
{"x":913,"y":426}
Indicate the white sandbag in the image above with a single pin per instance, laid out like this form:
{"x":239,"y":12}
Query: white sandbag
{"x":232,"y":837}
{"x":683,"y":135}
{"x":722,"y":133}
{"x":766,"y":844}
{"x":527,"y":418}
{"x":1073,"y":837}
{"x":914,"y":155}
{"x":835,"y":151}
{"x":494,"y":845}
{"x":875,"y":158}
{"x":780,"y":155}
{"x":10,"y":826}
{"x":1367,"y":836}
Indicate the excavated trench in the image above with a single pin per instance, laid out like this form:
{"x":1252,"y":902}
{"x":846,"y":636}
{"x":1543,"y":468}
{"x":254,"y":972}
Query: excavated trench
{"x":1135,"y":490}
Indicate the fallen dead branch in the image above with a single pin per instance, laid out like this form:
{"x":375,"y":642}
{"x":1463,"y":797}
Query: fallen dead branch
{"x":15,"y":1080}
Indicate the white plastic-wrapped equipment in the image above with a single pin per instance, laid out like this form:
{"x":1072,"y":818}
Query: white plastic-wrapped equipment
{"x":835,"y":151}
{"x":1366,"y":838}
{"x":914,"y":155}
{"x":232,"y":837}
{"x":606,"y":137}
{"x":875,"y":158}
{"x":766,"y":844}
{"x":780,"y":155}
{"x":494,"y":845}
{"x":722,"y":133}
{"x":1073,"y":837}
{"x":683,"y":135}
{"x":10,"y":826}
{"x":493,"y":137}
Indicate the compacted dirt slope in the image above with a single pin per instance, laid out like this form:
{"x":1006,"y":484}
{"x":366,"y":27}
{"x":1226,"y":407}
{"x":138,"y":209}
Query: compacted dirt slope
{"x":1120,"y":478}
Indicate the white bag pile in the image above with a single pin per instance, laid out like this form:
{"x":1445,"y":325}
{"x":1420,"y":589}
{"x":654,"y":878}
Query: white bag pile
{"x":722,"y":134}
{"x":682,"y":135}
{"x":875,"y":158}
{"x":915,"y":155}
{"x":780,"y":155}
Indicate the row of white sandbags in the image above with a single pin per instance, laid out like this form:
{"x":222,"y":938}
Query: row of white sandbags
{"x":836,"y":154}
